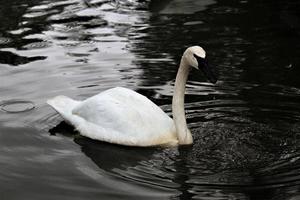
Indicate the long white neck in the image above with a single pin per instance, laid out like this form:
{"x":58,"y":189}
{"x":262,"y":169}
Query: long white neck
{"x":183,"y":133}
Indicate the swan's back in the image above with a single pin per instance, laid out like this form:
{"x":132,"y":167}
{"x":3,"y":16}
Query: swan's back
{"x":122,"y":116}
{"x":122,"y":109}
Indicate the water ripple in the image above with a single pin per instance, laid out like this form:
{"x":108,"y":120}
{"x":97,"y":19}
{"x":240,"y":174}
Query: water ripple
{"x":246,"y":127}
{"x":16,"y":106}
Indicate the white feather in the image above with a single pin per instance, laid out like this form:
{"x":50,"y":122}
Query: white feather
{"x":120,"y":116}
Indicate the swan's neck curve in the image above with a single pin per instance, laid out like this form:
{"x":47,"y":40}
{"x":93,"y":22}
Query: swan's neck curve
{"x":183,"y":133}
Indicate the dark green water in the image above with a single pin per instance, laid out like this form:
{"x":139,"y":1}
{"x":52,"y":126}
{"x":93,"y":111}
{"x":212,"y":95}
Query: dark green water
{"x":246,"y":127}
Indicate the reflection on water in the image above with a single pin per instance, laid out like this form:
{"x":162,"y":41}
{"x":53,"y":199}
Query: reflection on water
{"x":246,"y":127}
{"x":179,"y":7}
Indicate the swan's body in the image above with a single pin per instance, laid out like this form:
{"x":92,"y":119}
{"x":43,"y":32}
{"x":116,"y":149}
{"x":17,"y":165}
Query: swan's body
{"x":122,"y":116}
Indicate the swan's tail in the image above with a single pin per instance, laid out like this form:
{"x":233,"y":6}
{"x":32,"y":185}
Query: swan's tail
{"x":64,"y":106}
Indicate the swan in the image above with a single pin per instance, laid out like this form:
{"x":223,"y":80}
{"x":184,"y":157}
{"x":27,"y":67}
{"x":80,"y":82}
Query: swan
{"x":125,"y":117}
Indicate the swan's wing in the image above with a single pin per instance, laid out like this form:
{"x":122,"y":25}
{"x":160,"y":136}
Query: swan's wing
{"x":64,"y":106}
{"x":121,"y":109}
{"x":127,"y":113}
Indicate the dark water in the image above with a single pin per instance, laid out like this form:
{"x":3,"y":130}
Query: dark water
{"x":246,"y":128}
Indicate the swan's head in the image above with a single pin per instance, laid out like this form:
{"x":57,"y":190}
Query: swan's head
{"x":195,"y":56}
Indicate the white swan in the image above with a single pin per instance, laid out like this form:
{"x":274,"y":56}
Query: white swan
{"x":125,"y":117}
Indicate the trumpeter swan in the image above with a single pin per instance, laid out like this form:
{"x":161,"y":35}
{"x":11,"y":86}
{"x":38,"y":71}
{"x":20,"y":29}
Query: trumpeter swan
{"x":125,"y":117}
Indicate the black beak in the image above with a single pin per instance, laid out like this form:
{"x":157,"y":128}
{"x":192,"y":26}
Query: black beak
{"x":209,"y":71}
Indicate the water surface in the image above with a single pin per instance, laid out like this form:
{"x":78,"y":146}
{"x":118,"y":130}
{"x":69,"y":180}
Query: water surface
{"x":246,"y":128}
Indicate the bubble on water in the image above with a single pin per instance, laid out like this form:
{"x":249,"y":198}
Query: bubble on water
{"x":16,"y":106}
{"x":289,"y":66}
